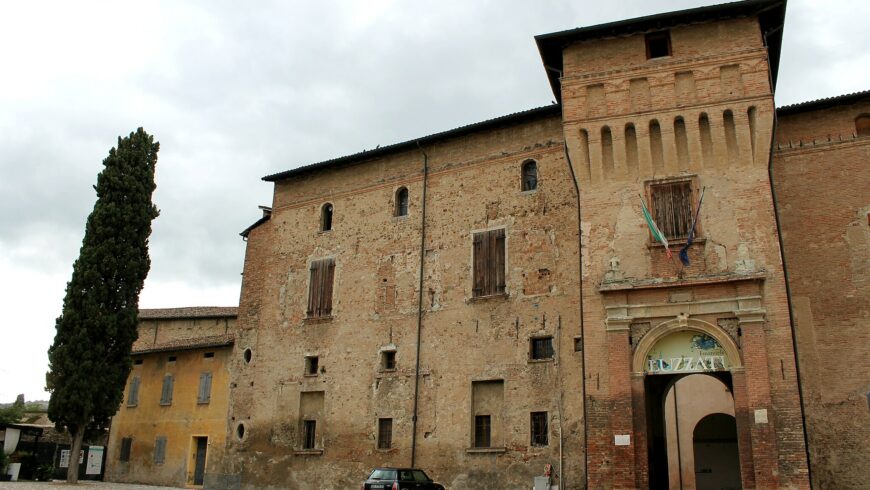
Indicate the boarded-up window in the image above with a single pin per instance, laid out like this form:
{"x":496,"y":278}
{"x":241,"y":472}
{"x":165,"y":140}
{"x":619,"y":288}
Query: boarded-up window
{"x":672,"y":208}
{"x":204,"y":395}
{"x":320,"y":288}
{"x":385,"y":433}
{"x":133,"y":393}
{"x":160,"y":450}
{"x":126,"y":447}
{"x":539,"y":430}
{"x":166,"y":393}
{"x":309,"y":434}
{"x":489,"y":254}
{"x":482,"y":431}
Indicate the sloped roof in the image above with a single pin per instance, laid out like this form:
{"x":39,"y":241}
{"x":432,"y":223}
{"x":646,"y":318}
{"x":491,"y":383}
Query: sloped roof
{"x":187,"y":344}
{"x":823,"y":103}
{"x":188,"y":312}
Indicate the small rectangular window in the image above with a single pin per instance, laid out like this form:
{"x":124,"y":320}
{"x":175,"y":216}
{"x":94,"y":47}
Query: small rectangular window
{"x":658,"y":44}
{"x":160,"y":450}
{"x":126,"y":448}
{"x":322,"y":274}
{"x":309,"y":434}
{"x":133,"y":393}
{"x":388,"y":360}
{"x":172,"y":358}
{"x":672,"y":204}
{"x":312,"y":364}
{"x":541,"y":348}
{"x":578,"y":344}
{"x":539,"y":429}
{"x":204,"y":395}
{"x":137,"y":362}
{"x":482,"y":430}
{"x":166,"y":392}
{"x":385,"y":433}
{"x":489,"y":263}
{"x":208,"y":355}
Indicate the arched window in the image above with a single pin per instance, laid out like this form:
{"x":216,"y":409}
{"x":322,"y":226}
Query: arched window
{"x":326,"y":217}
{"x":862,"y":125}
{"x":401,"y":202}
{"x":530,"y":175}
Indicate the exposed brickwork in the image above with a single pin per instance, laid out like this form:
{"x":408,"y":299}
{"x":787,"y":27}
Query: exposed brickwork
{"x":822,"y":194}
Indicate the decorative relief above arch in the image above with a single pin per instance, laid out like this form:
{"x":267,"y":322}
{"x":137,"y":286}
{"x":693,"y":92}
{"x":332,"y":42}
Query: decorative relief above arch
{"x":710,"y":338}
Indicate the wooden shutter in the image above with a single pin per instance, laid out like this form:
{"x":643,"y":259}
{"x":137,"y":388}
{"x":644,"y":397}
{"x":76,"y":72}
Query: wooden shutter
{"x":479,"y":266}
{"x":489,"y":260}
{"x":160,"y":450}
{"x":204,"y":388}
{"x":672,"y":205}
{"x":497,"y":260}
{"x":328,"y":266}
{"x":322,"y":275}
{"x":133,"y":395}
{"x":126,"y":446}
{"x":166,"y":395}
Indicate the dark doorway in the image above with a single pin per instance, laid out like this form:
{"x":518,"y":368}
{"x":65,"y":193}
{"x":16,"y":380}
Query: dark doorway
{"x":656,"y":388}
{"x":717,"y":460}
{"x":199,"y":459}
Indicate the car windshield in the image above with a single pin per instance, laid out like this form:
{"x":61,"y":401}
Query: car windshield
{"x":380,"y":474}
{"x":420,"y":476}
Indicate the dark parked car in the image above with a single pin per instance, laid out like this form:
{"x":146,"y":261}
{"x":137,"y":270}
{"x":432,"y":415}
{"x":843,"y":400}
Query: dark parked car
{"x":400,"y":479}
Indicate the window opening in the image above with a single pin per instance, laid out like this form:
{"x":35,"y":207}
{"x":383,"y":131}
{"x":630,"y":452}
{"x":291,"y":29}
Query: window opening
{"x":482,"y":430}
{"x":539,"y":429}
{"x":247,"y":355}
{"x":672,"y":208}
{"x":401,"y":202}
{"x":160,"y":450}
{"x":172,"y":358}
{"x":311,"y":365}
{"x":166,"y":392}
{"x":541,"y":348}
{"x":326,"y":217}
{"x":385,"y":433}
{"x":320,"y":288}
{"x":208,"y":355}
{"x":137,"y":362}
{"x":658,"y":44}
{"x":530,"y":175}
{"x":240,"y":431}
{"x":489,"y":263}
{"x":309,"y":429}
{"x":388,"y":360}
{"x":204,"y":395}
{"x":126,"y":448}
{"x":133,"y":394}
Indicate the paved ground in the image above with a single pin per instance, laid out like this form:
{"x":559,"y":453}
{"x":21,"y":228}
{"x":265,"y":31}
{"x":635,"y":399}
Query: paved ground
{"x":83,"y":485}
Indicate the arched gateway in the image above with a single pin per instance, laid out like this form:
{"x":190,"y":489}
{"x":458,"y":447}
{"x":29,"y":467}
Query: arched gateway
{"x":686,"y":365}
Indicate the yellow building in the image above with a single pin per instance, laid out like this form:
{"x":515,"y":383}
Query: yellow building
{"x":172,"y":421}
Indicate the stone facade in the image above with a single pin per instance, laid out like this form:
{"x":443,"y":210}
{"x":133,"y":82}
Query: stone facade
{"x":186,"y":344}
{"x":361,"y":311}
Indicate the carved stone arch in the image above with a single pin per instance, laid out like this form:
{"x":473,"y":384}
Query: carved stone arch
{"x":684,"y":323}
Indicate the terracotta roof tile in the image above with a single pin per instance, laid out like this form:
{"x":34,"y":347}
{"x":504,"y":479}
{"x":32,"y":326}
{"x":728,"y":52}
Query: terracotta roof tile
{"x":188,"y":312}
{"x":186,"y":344}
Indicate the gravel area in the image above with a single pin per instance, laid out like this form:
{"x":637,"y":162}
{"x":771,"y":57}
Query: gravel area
{"x":83,"y":485}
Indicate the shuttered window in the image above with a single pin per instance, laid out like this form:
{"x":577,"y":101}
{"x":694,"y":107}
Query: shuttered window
{"x":160,"y":450}
{"x":133,"y":394}
{"x":166,"y":393}
{"x":672,"y":208}
{"x":489,"y":263}
{"x":320,"y":288}
{"x":204,"y":395}
{"x":126,"y":447}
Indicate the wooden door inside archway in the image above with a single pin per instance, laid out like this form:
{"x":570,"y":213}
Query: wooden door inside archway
{"x":717,"y":460}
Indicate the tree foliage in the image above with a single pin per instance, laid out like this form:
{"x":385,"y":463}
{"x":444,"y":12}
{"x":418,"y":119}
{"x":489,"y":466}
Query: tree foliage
{"x":90,"y":359}
{"x":13,"y":413}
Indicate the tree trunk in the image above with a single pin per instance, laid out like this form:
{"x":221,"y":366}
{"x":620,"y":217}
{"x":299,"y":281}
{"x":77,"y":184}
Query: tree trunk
{"x":72,"y":472}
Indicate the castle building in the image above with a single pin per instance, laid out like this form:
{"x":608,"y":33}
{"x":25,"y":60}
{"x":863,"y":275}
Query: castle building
{"x":660,"y":281}
{"x":172,"y":420}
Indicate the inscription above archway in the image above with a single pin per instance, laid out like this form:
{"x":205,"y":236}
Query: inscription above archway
{"x":686,"y":351}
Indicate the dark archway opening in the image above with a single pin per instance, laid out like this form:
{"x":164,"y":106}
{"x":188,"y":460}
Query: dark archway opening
{"x":656,"y":388}
{"x":717,"y":458}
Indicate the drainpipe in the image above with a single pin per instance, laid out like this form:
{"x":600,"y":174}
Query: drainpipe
{"x":419,"y":305}
{"x":794,"y":345}
{"x":582,"y":326}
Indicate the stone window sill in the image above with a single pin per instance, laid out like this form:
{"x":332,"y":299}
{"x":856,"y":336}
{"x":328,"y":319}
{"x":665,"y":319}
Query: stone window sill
{"x":476,"y":299}
{"x":485,"y":450}
{"x":317,"y":319}
{"x":672,"y":244}
{"x":540,"y":361}
{"x":308,"y":452}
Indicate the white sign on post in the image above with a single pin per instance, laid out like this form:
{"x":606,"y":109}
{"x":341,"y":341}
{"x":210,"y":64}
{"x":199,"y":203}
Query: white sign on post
{"x":95,"y":460}
{"x":64,"y":458}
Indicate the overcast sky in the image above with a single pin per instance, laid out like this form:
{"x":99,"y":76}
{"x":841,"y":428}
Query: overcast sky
{"x":236,"y":90}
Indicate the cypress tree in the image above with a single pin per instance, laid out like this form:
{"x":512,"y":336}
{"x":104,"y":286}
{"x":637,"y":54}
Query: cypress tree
{"x":90,"y":359}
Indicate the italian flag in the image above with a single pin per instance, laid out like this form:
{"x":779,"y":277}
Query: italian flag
{"x":656,"y":233}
